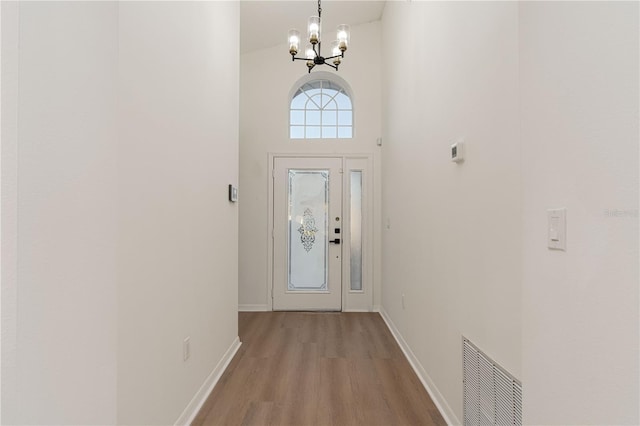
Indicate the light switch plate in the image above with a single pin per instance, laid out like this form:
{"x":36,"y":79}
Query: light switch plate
{"x":233,"y":193}
{"x":557,"y":229}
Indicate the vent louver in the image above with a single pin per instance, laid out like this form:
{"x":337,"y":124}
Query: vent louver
{"x":492,"y":397}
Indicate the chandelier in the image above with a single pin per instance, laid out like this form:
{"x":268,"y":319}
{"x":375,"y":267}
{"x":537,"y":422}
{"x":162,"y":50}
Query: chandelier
{"x":313,"y":54}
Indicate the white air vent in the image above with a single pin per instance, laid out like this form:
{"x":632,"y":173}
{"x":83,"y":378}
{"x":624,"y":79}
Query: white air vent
{"x":491,"y":395}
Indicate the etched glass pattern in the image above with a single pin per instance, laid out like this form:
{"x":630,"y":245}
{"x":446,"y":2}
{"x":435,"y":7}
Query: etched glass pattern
{"x":308,"y":230}
{"x":320,"y":109}
{"x":356,"y":230}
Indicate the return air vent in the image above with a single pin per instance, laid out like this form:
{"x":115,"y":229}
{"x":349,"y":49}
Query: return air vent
{"x":491,"y":395}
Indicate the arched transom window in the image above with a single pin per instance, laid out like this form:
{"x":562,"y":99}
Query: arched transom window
{"x":320,"y":109}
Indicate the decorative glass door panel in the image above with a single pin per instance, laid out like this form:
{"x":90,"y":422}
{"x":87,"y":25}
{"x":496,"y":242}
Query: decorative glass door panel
{"x":308,"y":229}
{"x":307,"y":224}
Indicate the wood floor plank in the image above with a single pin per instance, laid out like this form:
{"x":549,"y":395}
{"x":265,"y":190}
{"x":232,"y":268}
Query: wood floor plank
{"x":310,"y":368}
{"x":258,"y":414}
{"x":335,"y":393}
{"x":370,"y":407}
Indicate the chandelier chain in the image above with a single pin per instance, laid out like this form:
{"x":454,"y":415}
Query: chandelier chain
{"x":319,"y":10}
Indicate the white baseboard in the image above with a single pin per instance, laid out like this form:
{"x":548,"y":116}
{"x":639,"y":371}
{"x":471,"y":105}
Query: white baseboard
{"x":444,"y":408}
{"x":190,"y":412}
{"x":253,"y":308}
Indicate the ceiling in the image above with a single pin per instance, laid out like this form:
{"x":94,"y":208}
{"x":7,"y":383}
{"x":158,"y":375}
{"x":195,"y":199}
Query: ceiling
{"x":266,"y":23}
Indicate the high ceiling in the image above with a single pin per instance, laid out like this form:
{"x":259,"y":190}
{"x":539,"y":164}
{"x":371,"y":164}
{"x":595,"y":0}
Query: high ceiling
{"x":266,"y":23}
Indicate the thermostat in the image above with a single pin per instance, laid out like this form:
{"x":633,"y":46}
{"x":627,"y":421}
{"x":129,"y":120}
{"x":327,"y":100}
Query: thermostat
{"x":457,"y":152}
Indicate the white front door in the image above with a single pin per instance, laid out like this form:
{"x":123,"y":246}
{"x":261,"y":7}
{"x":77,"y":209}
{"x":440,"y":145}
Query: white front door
{"x":307,"y":234}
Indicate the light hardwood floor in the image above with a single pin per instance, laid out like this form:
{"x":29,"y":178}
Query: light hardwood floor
{"x":302,"y":368}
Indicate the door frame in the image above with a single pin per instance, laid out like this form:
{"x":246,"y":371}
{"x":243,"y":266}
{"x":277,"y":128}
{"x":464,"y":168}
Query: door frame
{"x":352,"y":301}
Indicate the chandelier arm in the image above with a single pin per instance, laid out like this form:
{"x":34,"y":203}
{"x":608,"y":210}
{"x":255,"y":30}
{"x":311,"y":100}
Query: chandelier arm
{"x":334,"y":56}
{"x":332,"y":66}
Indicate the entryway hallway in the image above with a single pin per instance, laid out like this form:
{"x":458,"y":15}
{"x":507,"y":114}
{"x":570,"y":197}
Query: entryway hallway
{"x":308,"y":368}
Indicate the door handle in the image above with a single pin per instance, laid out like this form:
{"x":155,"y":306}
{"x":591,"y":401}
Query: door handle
{"x":336,"y":241}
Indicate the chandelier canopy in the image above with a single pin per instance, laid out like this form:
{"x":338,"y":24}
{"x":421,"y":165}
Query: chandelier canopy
{"x":313,"y":54}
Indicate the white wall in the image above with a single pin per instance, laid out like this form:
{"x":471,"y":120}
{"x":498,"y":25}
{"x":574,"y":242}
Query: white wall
{"x":546,"y":96}
{"x":179,"y":108}
{"x":64,"y":364}
{"x":8,"y":202}
{"x":125,"y":121}
{"x":178,"y":232}
{"x":266,"y":79}
{"x":579,"y":91}
{"x":453,"y":241}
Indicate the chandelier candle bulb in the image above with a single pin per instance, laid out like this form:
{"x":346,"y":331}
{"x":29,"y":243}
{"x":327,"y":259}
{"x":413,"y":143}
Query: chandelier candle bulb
{"x":294,"y":41}
{"x":309,"y":52}
{"x":314,"y":29}
{"x":335,"y":51}
{"x":343,"y":37}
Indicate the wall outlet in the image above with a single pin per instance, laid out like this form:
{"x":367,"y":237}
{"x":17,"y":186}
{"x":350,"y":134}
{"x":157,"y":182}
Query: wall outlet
{"x":402,"y":300}
{"x":186,"y":348}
